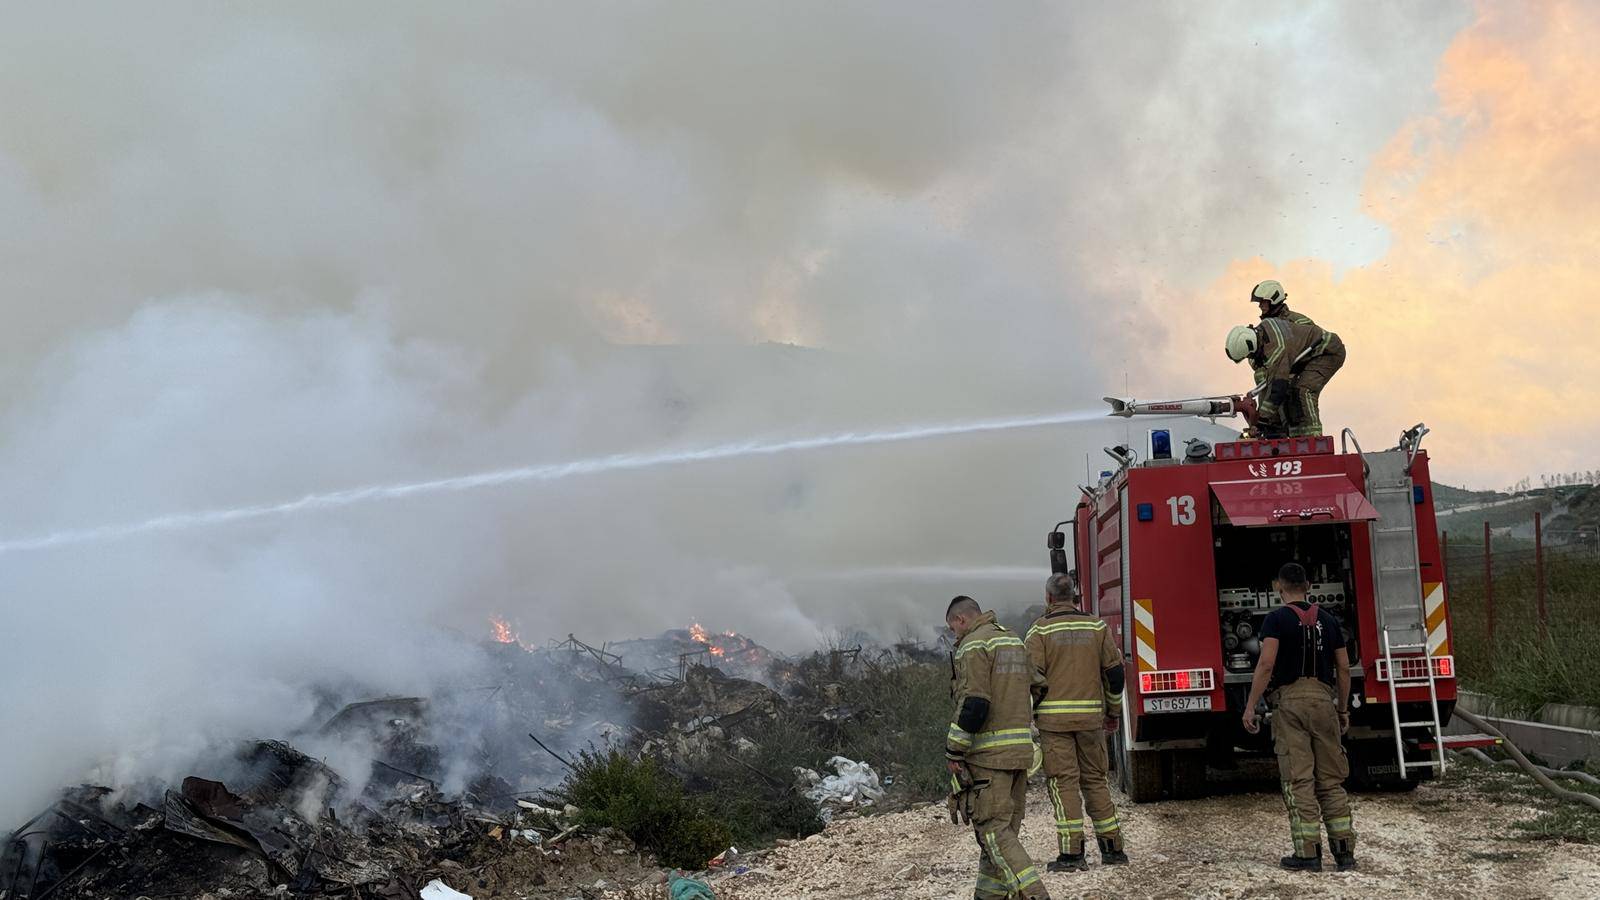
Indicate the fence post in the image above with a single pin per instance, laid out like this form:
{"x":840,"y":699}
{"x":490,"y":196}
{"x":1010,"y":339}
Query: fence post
{"x":1444,"y":563}
{"x":1488,"y":587}
{"x":1538,"y":574}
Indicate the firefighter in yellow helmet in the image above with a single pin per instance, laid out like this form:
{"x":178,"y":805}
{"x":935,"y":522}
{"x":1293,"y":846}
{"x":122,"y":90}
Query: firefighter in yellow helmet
{"x":1082,"y":700}
{"x":1293,"y":359}
{"x":989,"y":747}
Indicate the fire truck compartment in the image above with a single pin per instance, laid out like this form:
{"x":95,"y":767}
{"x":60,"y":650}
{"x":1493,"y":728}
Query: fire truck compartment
{"x":1245,"y":595}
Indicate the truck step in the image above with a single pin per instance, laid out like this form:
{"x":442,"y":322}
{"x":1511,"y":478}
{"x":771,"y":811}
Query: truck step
{"x":1428,"y":722}
{"x":1462,"y":742}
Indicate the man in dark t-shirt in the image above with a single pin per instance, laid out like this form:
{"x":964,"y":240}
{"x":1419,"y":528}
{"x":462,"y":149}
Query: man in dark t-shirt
{"x":1305,"y":663}
{"x":1283,"y":625}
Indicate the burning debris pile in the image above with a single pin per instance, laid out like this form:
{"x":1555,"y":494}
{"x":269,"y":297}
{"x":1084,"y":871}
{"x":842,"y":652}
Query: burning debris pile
{"x":385,"y":795}
{"x":669,"y":656}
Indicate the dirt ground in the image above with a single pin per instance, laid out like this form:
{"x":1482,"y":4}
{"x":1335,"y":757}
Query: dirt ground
{"x":1450,"y":840}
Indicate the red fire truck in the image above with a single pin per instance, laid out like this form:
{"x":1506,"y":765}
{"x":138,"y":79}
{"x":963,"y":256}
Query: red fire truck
{"x":1177,"y":552}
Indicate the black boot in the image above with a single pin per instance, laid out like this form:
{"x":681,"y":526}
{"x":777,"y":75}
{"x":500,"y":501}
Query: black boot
{"x":1344,"y":854}
{"x":1068,"y":862}
{"x":1110,"y":855}
{"x":1298,"y":863}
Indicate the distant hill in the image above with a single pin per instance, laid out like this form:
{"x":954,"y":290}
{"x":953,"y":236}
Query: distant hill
{"x":1445,"y":496}
{"x":1581,"y":519}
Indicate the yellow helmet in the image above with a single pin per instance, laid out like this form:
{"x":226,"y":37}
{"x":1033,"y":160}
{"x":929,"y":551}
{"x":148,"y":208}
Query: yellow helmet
{"x":1242,"y":342}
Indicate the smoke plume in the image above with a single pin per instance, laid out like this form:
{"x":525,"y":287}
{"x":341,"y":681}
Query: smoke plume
{"x":252,"y":252}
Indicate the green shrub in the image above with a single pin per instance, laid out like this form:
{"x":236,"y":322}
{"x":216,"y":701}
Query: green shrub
{"x":648,"y":804}
{"x":754,"y":793}
{"x":906,"y":709}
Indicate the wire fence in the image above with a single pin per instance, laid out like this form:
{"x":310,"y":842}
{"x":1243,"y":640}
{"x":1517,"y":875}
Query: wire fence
{"x":1525,"y":612}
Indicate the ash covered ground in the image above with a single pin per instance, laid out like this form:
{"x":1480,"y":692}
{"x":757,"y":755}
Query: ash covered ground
{"x":378,"y":796}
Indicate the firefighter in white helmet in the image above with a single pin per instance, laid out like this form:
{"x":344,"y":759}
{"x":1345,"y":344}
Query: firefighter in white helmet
{"x":1292,"y":357}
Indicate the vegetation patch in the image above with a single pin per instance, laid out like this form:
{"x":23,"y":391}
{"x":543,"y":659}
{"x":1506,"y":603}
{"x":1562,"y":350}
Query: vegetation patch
{"x":1551,"y":819}
{"x":889,"y":711}
{"x":642,"y":800}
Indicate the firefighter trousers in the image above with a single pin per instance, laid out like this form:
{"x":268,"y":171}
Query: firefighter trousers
{"x":1075,"y":771}
{"x":1313,"y":766}
{"x":999,"y":800}
{"x":1303,"y":412}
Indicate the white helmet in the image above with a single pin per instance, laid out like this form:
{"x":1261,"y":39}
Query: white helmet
{"x":1270,"y":291}
{"x":1242,"y":343}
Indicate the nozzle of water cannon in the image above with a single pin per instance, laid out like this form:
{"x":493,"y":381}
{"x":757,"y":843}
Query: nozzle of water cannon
{"x":1203,"y":407}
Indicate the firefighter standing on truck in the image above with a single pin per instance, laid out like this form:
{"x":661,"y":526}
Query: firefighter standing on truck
{"x":1305,"y":664}
{"x":1293,"y":359}
{"x":989,"y":747}
{"x":1082,"y":700}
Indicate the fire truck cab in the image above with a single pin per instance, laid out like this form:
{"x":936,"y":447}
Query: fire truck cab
{"x":1178,"y":555}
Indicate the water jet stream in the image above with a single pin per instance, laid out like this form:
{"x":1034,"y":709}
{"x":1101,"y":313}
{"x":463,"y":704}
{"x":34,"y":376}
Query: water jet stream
{"x":931,"y":573}
{"x":617,"y":462}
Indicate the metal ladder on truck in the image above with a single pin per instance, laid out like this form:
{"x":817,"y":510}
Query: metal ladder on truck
{"x":1397,"y":577}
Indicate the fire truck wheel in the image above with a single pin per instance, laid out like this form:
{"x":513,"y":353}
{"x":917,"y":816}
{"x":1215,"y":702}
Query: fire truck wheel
{"x":1188,"y":773}
{"x":1138,"y":772}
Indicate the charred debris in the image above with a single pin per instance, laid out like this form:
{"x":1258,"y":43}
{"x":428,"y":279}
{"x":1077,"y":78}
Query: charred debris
{"x":384,"y":795}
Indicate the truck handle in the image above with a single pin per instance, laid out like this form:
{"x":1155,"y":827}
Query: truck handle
{"x":1305,"y":517}
{"x":1347,"y":434}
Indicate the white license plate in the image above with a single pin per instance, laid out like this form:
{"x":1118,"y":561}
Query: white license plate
{"x":1197,"y":703}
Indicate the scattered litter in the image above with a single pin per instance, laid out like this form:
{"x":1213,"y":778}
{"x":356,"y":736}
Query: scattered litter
{"x":680,"y":888}
{"x":438,"y":890}
{"x":855,"y":786}
{"x":723,"y":858}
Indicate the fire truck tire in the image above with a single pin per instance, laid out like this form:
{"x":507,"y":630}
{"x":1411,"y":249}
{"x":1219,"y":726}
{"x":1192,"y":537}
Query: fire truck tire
{"x":1188,"y":773}
{"x":1139,"y":772}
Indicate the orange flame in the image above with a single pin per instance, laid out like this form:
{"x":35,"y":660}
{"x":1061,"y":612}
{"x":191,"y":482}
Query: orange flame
{"x":697,"y":633}
{"x":502,"y":631}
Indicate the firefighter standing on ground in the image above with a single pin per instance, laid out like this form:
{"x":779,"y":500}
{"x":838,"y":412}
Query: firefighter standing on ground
{"x":989,"y":747}
{"x":1293,"y":359}
{"x":1305,"y":664}
{"x":1082,"y":700}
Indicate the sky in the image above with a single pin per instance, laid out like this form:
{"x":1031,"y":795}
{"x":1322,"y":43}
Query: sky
{"x":251,"y":252}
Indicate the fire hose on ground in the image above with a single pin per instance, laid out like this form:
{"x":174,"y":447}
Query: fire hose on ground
{"x":1539,"y":773}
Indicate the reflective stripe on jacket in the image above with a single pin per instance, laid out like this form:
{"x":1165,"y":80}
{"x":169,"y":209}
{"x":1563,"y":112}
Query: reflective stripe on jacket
{"x":991,"y":662}
{"x":1071,"y":649}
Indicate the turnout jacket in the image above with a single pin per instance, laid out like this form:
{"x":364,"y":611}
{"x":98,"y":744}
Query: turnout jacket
{"x":1331,"y":342}
{"x":1081,"y":669}
{"x":1286,"y":346}
{"x":992,"y":683}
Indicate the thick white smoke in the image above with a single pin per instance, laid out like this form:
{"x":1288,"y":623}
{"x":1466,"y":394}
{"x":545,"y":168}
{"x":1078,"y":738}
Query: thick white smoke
{"x":253,"y":252}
